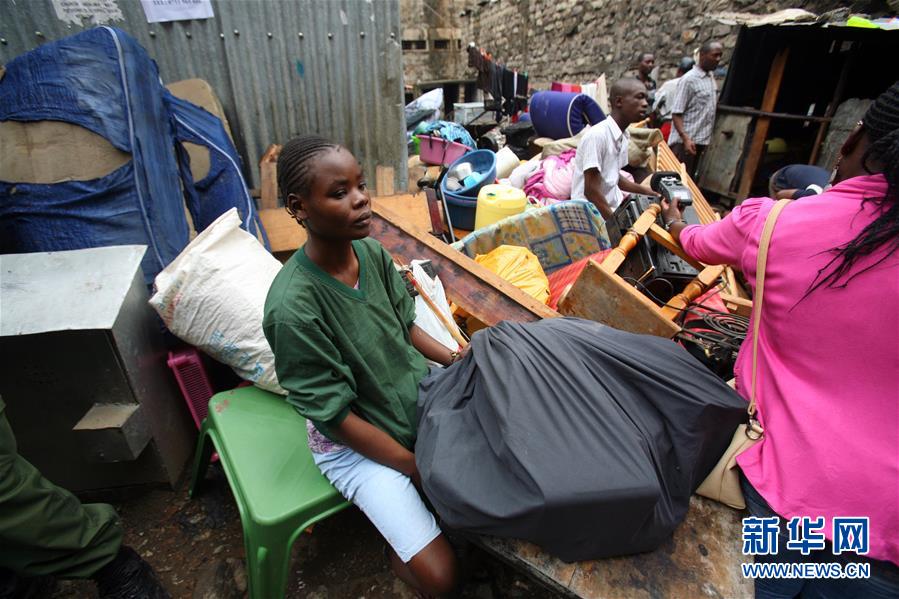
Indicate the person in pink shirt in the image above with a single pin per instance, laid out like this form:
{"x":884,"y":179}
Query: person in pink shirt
{"x":828,"y":358}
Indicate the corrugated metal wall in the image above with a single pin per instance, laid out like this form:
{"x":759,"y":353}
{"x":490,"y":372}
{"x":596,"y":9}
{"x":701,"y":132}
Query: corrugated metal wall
{"x":280,"y":67}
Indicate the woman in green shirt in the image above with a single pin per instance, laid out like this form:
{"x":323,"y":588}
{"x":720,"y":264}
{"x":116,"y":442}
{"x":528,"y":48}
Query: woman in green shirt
{"x":341,"y":326}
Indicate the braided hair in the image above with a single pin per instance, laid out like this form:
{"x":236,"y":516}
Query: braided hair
{"x":295,"y":174}
{"x":881,"y":123}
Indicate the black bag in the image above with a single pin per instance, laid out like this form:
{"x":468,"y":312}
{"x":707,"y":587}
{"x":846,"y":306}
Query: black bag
{"x":581,"y":438}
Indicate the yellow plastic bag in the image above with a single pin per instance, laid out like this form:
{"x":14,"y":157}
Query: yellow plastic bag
{"x":519,"y":266}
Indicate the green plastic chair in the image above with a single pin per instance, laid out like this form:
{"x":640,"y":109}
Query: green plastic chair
{"x":261,"y":443}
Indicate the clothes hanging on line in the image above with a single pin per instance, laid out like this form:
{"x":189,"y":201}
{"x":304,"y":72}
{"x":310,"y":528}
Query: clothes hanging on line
{"x":507,"y":87}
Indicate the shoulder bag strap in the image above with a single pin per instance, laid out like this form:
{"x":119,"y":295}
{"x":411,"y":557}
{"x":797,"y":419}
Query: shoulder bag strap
{"x":761,"y":262}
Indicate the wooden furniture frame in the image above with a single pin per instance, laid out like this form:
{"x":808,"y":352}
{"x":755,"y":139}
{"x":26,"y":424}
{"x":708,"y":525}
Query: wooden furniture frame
{"x":600,"y":294}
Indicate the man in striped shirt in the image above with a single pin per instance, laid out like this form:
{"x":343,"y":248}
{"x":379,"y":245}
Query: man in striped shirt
{"x":693,"y":109}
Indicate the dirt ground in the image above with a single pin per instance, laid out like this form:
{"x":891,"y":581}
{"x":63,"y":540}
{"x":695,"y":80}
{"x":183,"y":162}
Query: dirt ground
{"x":196,"y":547}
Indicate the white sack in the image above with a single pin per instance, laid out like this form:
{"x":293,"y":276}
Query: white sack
{"x":213,"y":295}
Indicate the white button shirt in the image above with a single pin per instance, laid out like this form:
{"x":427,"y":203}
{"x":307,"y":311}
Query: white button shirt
{"x":603,"y":147}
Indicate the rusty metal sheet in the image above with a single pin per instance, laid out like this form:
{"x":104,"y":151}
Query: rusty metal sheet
{"x":280,"y":67}
{"x":701,"y":559}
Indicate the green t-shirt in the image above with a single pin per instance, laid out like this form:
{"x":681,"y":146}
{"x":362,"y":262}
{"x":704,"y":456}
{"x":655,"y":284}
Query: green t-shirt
{"x":339,"y":349}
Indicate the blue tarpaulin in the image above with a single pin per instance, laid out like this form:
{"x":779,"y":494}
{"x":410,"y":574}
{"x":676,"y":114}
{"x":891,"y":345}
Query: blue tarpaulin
{"x":223,"y":187}
{"x":103,"y":80}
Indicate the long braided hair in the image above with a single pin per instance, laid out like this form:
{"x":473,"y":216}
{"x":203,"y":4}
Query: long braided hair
{"x":295,"y":163}
{"x":881,"y":123}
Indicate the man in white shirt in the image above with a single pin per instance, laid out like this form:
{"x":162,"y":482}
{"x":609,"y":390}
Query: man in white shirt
{"x":603,"y":151}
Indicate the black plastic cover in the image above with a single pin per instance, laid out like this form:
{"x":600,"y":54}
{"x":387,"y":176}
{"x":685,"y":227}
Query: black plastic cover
{"x":581,"y":438}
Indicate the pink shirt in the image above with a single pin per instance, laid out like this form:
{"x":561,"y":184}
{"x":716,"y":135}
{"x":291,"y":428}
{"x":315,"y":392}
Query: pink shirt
{"x":828,"y":370}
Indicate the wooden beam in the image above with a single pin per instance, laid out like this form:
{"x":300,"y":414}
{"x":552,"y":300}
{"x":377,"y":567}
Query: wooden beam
{"x":760,"y":134}
{"x":664,"y":238}
{"x":478,"y":291}
{"x":773,"y":115}
{"x":737,"y":305}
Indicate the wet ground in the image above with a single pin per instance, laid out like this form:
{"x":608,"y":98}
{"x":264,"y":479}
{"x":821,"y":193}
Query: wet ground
{"x":196,"y":547}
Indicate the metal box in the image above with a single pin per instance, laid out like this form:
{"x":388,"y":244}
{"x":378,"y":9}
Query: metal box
{"x":80,"y":345}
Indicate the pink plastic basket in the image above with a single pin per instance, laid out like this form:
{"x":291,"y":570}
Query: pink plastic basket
{"x":437,"y":151}
{"x":193,"y":380}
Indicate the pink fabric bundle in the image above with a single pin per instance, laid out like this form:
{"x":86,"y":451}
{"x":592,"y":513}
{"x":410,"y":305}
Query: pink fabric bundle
{"x":552,"y":181}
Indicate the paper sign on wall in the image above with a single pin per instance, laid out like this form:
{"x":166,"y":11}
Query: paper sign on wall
{"x":96,"y":11}
{"x":158,"y":11}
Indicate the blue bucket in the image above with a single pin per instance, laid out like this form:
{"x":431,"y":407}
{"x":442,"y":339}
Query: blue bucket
{"x":462,"y":209}
{"x":483,"y":162}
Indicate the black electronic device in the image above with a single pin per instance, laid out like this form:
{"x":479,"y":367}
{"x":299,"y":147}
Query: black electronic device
{"x":649,"y":266}
{"x":668,"y":184}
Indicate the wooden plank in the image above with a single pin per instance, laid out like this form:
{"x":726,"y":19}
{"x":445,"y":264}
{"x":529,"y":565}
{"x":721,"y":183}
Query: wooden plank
{"x":701,"y":559}
{"x":384,"y":176}
{"x":268,"y":173}
{"x":605,"y":297}
{"x":412,"y":208}
{"x":478,"y":291}
{"x":737,"y":305}
{"x":284,"y":233}
{"x":757,"y":146}
{"x":727,"y":145}
{"x":664,"y":238}
{"x":669,"y":162}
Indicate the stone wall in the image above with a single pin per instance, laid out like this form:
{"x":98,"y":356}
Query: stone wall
{"x":576,"y":40}
{"x":433,"y":47}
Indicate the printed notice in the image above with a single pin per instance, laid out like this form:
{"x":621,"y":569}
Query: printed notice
{"x":158,"y":11}
{"x":97,"y":12}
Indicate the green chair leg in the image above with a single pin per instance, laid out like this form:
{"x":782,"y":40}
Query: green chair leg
{"x":279,"y":491}
{"x":268,"y":567}
{"x":205,"y":448}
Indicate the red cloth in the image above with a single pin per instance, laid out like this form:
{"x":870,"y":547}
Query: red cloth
{"x":560,"y":280}
{"x":666,"y":130}
{"x":565,"y":87}
{"x":709,"y":302}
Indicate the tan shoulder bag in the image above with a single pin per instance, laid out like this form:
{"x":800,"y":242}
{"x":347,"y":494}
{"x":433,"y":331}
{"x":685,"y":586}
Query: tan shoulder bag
{"x":723,"y":483}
